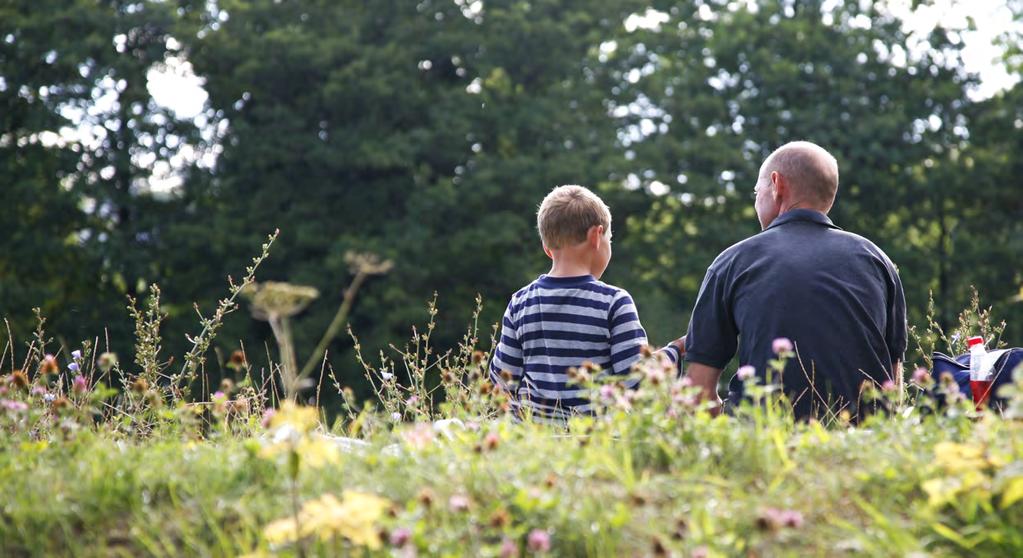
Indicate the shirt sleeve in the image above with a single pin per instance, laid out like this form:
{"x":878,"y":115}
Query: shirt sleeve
{"x":712,"y":336}
{"x":628,"y":339}
{"x":507,"y":355}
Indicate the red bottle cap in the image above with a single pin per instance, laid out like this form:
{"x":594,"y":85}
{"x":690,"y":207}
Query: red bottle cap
{"x":978,"y":340}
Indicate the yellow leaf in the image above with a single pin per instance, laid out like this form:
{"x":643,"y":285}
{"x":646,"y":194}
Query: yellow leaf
{"x":1013,"y":492}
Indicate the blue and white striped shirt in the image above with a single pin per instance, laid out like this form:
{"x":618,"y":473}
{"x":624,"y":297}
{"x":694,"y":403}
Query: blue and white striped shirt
{"x":556,"y":323}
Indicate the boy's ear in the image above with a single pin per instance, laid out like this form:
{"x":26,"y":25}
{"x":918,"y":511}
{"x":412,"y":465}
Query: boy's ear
{"x":547,"y":251}
{"x":593,"y":235}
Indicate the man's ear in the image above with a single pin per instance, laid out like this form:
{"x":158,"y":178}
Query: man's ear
{"x":781,"y":186}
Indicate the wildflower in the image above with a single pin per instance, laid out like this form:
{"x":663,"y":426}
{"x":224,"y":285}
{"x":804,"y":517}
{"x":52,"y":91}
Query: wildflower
{"x":491,"y":441}
{"x":499,"y":519}
{"x":76,"y":354}
{"x":49,"y":398}
{"x":38,"y":390}
{"x":80,"y":385}
{"x":509,"y":548}
{"x":922,"y":377}
{"x":219,"y":401}
{"x":701,"y":552}
{"x":420,"y":436}
{"x":645,"y":351}
{"x":791,"y":519}
{"x":478,"y":357}
{"x":459,"y":503}
{"x":400,"y":537}
{"x":226,"y":385}
{"x":237,"y":361}
{"x":396,"y":417}
{"x":106,"y":361}
{"x":782,"y":346}
{"x":607,"y":393}
{"x":268,"y":416}
{"x":49,"y":365}
{"x":14,"y":406}
{"x":302,"y":419}
{"x":773,"y":519}
{"x":888,"y":385}
{"x":426,"y":498}
{"x":959,"y":458}
{"x":386,"y":376}
{"x":354,"y":517}
{"x":74,"y":367}
{"x":412,"y":401}
{"x":19,"y":379}
{"x":538,"y":541}
{"x":746,"y":372}
{"x":61,"y":403}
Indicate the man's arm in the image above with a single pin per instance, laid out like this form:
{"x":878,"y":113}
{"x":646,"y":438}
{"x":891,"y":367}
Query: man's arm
{"x":706,"y":378}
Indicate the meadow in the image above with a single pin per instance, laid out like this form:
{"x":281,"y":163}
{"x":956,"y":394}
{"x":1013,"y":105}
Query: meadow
{"x":103,"y":458}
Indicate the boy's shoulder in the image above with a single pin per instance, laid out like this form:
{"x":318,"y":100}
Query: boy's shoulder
{"x":550,"y":286}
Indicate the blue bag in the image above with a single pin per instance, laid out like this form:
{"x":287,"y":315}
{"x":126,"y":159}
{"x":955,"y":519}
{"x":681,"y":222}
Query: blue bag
{"x":959,"y":368}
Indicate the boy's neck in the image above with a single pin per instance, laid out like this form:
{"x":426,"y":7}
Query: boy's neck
{"x":570,"y":267}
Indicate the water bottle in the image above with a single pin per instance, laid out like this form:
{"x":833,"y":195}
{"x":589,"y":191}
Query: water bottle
{"x":980,"y":372}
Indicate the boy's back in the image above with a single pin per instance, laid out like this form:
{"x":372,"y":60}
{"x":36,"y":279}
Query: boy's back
{"x":557,"y":323}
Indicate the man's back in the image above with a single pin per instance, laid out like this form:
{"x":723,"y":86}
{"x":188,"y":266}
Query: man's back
{"x":836,"y":295}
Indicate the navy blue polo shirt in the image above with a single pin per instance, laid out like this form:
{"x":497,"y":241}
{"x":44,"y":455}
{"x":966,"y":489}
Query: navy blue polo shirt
{"x":835,"y":294}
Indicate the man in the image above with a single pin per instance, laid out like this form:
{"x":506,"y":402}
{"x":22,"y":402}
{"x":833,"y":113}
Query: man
{"x":834,"y":294}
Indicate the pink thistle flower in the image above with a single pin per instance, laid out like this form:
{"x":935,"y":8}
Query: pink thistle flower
{"x":80,"y":385}
{"x":458,"y":503}
{"x":888,"y":385}
{"x":701,"y":552}
{"x":746,"y":372}
{"x":509,"y":548}
{"x":538,"y":541}
{"x":782,"y":346}
{"x":791,"y":519}
{"x":268,"y":416}
{"x":607,"y":393}
{"x":38,"y":390}
{"x":400,"y":537}
{"x":921,"y":376}
{"x":12,"y":405}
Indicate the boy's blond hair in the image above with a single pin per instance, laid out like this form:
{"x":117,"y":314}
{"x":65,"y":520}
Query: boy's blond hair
{"x":567,"y":213}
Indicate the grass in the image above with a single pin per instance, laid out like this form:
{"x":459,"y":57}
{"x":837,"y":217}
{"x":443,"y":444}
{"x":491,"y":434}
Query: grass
{"x":142,"y":469}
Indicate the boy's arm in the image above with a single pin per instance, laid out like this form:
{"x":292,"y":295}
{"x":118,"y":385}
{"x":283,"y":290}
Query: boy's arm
{"x":506,"y":364}
{"x":628,"y":339}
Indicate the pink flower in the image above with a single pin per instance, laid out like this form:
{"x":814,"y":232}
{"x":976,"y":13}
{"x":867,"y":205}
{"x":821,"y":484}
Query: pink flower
{"x":80,"y":385}
{"x":401,"y":536}
{"x":509,"y":549}
{"x":791,"y":519}
{"x":412,"y":401}
{"x":921,"y":376}
{"x":888,"y":385}
{"x":268,"y":416}
{"x":458,"y":503}
{"x":12,"y":405}
{"x":38,"y":390}
{"x":607,"y":393}
{"x":746,"y":372}
{"x":538,"y":541}
{"x":782,"y":346}
{"x":701,"y":552}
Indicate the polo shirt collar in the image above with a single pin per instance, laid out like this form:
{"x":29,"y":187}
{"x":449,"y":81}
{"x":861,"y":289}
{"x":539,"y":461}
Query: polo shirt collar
{"x":565,"y":282}
{"x":808,"y":215}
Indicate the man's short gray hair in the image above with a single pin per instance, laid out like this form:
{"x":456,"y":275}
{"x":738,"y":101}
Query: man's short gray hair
{"x":810,"y":169}
{"x":568,"y":213}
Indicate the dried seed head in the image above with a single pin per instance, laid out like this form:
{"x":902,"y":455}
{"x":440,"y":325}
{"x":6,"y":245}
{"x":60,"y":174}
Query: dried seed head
{"x":140,"y":385}
{"x":19,"y":379}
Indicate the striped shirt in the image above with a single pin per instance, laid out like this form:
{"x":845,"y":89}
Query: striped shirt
{"x":556,"y":323}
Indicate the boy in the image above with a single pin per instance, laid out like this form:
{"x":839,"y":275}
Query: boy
{"x":568,"y":316}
